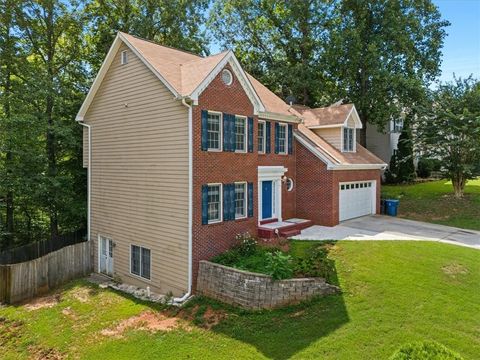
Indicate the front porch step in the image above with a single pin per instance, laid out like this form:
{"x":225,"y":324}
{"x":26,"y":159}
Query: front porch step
{"x":283,"y":229}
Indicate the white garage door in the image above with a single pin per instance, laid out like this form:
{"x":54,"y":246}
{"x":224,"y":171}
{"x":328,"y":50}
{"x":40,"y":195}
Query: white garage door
{"x":356,"y":199}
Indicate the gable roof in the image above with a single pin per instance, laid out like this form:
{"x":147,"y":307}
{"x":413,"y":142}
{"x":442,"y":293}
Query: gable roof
{"x":334,"y":158}
{"x":186,"y":75}
{"x":330,"y":116}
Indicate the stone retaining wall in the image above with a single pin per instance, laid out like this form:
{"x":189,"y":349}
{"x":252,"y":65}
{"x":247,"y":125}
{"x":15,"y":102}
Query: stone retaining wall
{"x":256,"y":291}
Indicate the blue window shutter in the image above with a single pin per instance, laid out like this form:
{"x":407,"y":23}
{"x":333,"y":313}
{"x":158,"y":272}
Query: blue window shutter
{"x":250,"y":199}
{"x":232,"y":133}
{"x":267,"y":135}
{"x":232,"y":201}
{"x":226,"y":128}
{"x":250,"y":134}
{"x":204,"y":129}
{"x":204,"y":204}
{"x":276,"y":137}
{"x":290,"y":138}
{"x":226,"y":202}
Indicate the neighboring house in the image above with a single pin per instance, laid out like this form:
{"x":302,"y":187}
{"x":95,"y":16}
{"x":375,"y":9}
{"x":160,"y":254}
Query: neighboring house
{"x":384,"y":143}
{"x":184,"y":153}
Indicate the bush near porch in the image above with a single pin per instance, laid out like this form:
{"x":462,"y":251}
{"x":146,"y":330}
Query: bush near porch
{"x":435,"y":202}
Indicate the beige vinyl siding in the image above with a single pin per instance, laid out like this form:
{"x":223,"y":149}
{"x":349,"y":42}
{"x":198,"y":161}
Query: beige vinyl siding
{"x":351,"y":122}
{"x":140,"y":173}
{"x":331,"y":135}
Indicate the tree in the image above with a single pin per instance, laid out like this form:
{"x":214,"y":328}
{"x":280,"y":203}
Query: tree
{"x":383,"y":55}
{"x":174,"y":23}
{"x":405,"y":165}
{"x":449,"y":130}
{"x":279,"y":42}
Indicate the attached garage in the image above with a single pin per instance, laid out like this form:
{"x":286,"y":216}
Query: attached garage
{"x":356,"y":199}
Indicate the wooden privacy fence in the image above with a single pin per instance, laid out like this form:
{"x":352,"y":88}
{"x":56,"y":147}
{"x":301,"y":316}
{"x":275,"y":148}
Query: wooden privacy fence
{"x":28,"y":279}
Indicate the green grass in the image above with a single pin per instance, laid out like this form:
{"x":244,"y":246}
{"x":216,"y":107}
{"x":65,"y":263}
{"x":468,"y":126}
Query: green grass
{"x":394,"y":293}
{"x":434,"y":202}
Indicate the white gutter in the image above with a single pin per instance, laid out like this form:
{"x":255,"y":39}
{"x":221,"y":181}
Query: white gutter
{"x":89,"y":177}
{"x":187,"y":295}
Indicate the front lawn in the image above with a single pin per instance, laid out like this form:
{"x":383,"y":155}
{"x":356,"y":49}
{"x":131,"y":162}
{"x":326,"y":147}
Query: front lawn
{"x":394,"y":293}
{"x":434,"y":202}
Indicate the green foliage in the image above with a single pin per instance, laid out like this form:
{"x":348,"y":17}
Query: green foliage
{"x":426,"y":166}
{"x":279,"y":265}
{"x":448,"y":129}
{"x":246,"y":244}
{"x":401,"y":168}
{"x":315,"y":263}
{"x":426,"y":350}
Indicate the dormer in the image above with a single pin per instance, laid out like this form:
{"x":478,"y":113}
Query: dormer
{"x":337,"y":124}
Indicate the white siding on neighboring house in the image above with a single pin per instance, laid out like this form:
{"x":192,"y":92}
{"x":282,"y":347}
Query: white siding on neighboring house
{"x":140,"y":173}
{"x":331,"y":135}
{"x":382,"y":144}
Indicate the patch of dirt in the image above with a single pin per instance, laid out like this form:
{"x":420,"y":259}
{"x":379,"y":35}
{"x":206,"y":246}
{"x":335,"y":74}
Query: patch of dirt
{"x":454,"y":269}
{"x":39,"y":353}
{"x":146,"y":321}
{"x":68,"y":312}
{"x":82,"y":294}
{"x":10,"y":331}
{"x":297,"y":314}
{"x":213,"y":317}
{"x":42,"y":302}
{"x":203,"y":317}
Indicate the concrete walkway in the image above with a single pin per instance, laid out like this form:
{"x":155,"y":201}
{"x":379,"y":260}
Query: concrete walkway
{"x":380,"y":227}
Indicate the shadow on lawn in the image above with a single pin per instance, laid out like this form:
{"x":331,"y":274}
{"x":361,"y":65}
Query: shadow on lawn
{"x":281,"y":333}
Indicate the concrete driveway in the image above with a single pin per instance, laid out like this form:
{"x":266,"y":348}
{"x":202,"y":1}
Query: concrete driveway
{"x":378,"y":227}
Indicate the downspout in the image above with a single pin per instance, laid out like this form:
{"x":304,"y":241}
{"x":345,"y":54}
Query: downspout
{"x":180,"y":300}
{"x":89,"y":178}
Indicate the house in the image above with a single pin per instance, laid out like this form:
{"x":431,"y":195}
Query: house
{"x":384,"y":143}
{"x":184,"y":152}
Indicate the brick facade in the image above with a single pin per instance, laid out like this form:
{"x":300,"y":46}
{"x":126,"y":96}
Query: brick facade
{"x":228,"y":167}
{"x":317,"y":187}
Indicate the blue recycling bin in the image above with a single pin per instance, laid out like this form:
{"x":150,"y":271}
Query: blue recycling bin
{"x":391,"y":207}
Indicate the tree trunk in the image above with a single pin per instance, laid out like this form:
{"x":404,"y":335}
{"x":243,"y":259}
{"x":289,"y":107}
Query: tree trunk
{"x":458,"y":183}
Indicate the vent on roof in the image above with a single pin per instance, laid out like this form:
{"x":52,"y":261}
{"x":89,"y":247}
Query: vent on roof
{"x":124,"y":57}
{"x":227,"y":77}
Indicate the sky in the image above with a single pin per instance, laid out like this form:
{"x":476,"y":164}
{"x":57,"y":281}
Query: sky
{"x":461,"y":51}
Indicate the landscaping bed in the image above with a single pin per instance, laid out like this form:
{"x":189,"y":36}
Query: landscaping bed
{"x":283,"y":261}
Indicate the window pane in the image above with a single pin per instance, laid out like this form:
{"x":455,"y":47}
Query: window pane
{"x":146,"y":263}
{"x":135,"y":260}
{"x":350,"y":139}
{"x":213,"y":131}
{"x":261,"y":137}
{"x":214,"y":203}
{"x":282,"y":139}
{"x":345,"y":139}
{"x":239,"y":200}
{"x":240,"y":133}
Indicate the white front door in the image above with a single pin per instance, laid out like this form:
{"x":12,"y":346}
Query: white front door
{"x":356,"y":199}
{"x":105,"y":256}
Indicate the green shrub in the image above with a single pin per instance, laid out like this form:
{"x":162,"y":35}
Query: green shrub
{"x":228,"y":258}
{"x":315,"y":264}
{"x":426,"y":350}
{"x":279,"y":265}
{"x":246,"y":244}
{"x":425,"y":167}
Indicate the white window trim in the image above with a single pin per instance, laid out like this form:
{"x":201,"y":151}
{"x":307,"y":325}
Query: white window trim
{"x":286,"y":140}
{"x":275,"y":174}
{"x":231,"y":77}
{"x":245,"y":199}
{"x":264,"y":142}
{"x":130,"y":263}
{"x":124,"y":57}
{"x":221,"y":204}
{"x":354,"y":139}
{"x":245,"y":140}
{"x":220,"y":140}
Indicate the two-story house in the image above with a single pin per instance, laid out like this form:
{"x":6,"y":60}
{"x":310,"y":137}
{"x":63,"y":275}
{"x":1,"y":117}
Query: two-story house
{"x":185,"y":152}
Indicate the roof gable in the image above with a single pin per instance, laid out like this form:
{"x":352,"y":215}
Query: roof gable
{"x":330,"y":116}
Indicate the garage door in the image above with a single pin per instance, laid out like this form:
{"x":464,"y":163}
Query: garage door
{"x":356,"y":199}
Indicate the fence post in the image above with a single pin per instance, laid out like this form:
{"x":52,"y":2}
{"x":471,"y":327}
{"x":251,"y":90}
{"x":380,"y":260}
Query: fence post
{"x":5,"y":284}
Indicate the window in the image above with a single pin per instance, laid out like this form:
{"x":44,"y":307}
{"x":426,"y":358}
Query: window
{"x":140,"y":261}
{"x":397,"y":125}
{"x":227,"y":77}
{"x":240,"y":134}
{"x":214,"y":131}
{"x":214,"y":199}
{"x":282,"y":138}
{"x":240,"y":200}
{"x":261,"y":137}
{"x":348,"y":139}
{"x":124,"y":57}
